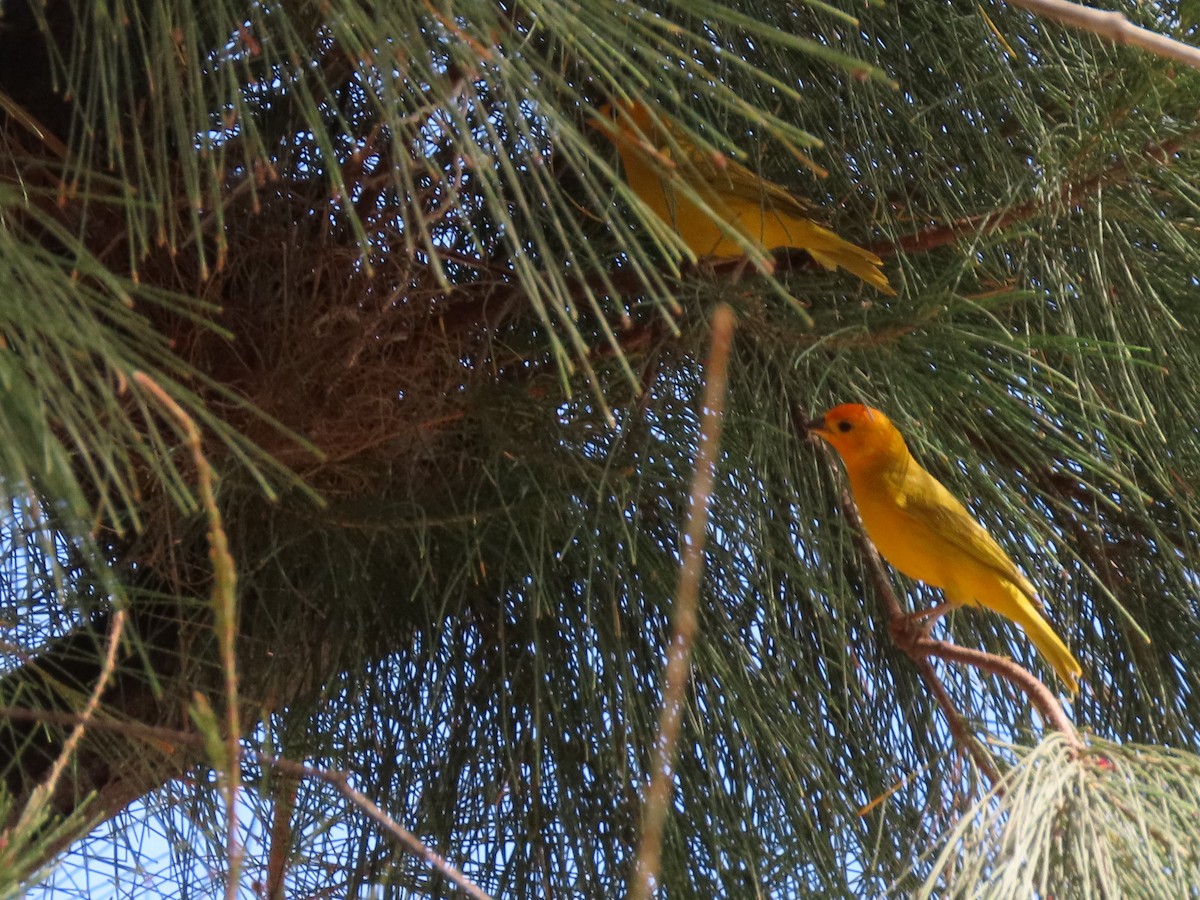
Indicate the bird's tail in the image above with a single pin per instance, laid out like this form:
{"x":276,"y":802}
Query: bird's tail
{"x":832,"y":251}
{"x":1048,"y":643}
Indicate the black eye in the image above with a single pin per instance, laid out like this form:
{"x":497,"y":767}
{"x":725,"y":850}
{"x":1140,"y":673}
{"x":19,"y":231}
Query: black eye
{"x":844,"y":426}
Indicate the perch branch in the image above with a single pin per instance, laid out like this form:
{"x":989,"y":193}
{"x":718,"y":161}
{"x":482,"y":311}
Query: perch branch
{"x":919,"y":648}
{"x":896,"y":620}
{"x":1040,"y":695}
{"x":913,"y":641}
{"x":1070,"y":195}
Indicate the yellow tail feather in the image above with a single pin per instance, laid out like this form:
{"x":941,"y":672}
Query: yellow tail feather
{"x":1016,"y":606}
{"x":1050,"y":645}
{"x":830,"y":250}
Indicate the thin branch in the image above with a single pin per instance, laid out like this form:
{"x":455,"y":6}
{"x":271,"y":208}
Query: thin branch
{"x":1071,"y":194}
{"x":403,"y":836}
{"x":468,"y":314}
{"x":282,"y":833}
{"x":658,"y":795}
{"x":1040,"y":695}
{"x":224,"y":603}
{"x":912,"y":640}
{"x":45,"y":792}
{"x":1114,"y":27}
{"x":155,"y":734}
{"x":160,"y":735}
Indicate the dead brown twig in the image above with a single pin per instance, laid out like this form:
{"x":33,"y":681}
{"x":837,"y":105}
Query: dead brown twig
{"x":44,"y":793}
{"x":691,"y":571}
{"x":282,"y":834}
{"x":1041,"y":696}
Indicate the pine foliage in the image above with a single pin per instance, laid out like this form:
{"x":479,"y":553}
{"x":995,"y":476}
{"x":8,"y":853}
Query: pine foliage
{"x":448,"y":369}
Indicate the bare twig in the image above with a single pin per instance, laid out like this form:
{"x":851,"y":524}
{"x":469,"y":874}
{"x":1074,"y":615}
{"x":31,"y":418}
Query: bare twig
{"x":284,"y":794}
{"x":224,"y":603}
{"x":1114,"y":27}
{"x":176,"y":738}
{"x":658,"y":794}
{"x":403,"y":836}
{"x":1040,"y":695}
{"x":911,"y":638}
{"x":44,"y":793}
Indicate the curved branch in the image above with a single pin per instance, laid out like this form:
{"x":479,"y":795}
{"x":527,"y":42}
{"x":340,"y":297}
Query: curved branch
{"x":1041,"y":696}
{"x":894,"y":613}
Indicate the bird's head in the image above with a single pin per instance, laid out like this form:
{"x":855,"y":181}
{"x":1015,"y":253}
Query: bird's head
{"x":861,"y":435}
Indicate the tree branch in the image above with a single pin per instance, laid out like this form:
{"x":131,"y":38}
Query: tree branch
{"x":402,"y":835}
{"x":1071,"y":194}
{"x":44,"y":793}
{"x":1040,"y":695}
{"x":691,"y":572}
{"x":895,"y":614}
{"x":911,"y":638}
{"x":1114,"y":27}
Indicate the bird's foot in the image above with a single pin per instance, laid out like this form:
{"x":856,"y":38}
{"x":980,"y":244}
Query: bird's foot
{"x":907,"y":630}
{"x":927,"y":618}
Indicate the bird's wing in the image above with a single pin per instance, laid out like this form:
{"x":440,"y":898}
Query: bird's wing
{"x":732,"y":179}
{"x":664,"y":146}
{"x":928,"y":502}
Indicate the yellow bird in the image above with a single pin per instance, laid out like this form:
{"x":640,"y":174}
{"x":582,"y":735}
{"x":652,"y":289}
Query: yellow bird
{"x":657,"y":156}
{"x":920,"y":528}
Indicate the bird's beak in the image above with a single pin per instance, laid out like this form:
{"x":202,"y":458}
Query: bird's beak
{"x":817,"y":427}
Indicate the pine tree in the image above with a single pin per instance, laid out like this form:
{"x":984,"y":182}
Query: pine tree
{"x":352,"y":402}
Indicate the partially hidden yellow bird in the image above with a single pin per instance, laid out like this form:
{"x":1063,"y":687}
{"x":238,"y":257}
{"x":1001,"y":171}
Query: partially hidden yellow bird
{"x":657,"y":156}
{"x":924,"y":531}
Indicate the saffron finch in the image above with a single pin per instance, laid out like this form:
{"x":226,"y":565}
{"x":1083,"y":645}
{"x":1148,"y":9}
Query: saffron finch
{"x":920,"y":528}
{"x":656,"y":157}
